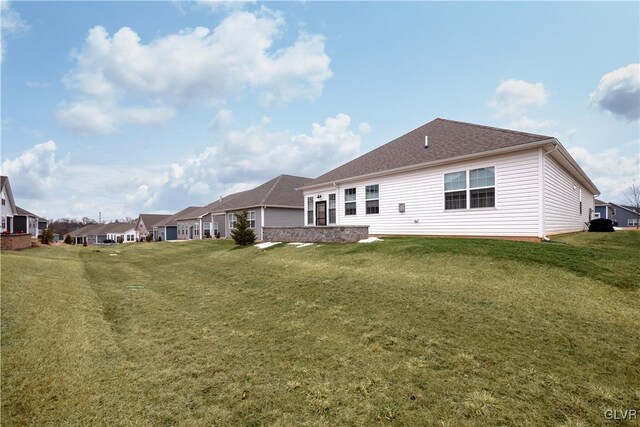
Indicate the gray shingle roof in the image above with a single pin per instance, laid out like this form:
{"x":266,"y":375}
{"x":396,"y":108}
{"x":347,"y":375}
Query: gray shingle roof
{"x":152,"y":219}
{"x":278,"y":192}
{"x":447,"y":139}
{"x":173,"y":219}
{"x":25,"y":212}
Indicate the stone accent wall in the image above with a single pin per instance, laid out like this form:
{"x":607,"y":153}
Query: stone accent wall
{"x":14,"y":242}
{"x":329,"y":234}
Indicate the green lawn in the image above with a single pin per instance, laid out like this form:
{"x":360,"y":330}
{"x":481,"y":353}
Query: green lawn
{"x":452,"y":332}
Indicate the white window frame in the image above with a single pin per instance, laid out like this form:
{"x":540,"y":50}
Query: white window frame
{"x":251,"y":217}
{"x":372,"y":199}
{"x":468,"y":189}
{"x":596,"y":215}
{"x":348,"y":201}
{"x":310,"y":209}
{"x":332,"y":199}
{"x":632,"y":222}
{"x":233,"y":219}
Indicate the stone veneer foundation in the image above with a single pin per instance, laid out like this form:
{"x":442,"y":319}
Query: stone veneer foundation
{"x":328,"y":234}
{"x":14,"y":242}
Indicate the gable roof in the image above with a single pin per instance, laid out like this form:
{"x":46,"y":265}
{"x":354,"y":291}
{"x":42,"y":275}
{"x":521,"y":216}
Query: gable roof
{"x":118,"y":227}
{"x":447,"y":139}
{"x":599,"y":202}
{"x":151,"y":219}
{"x":83,"y":231}
{"x":173,"y":219}
{"x":20,"y":211}
{"x":625,"y":207}
{"x":281,"y":191}
{"x":4,"y":182}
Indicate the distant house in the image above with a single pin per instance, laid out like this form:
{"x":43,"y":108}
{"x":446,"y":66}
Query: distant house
{"x":14,"y":218}
{"x":457,"y":179}
{"x":8,"y":208}
{"x":27,"y":222}
{"x":98,"y":233}
{"x":602,"y":210}
{"x":145,"y":223}
{"x":121,"y":231}
{"x":275,"y":203}
{"x":167,"y":229}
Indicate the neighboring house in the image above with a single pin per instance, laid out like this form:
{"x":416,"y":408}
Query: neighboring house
{"x":602,"y":210}
{"x":8,"y":208}
{"x":145,"y":223}
{"x":275,"y":203}
{"x":121,"y":231}
{"x":82,"y":233}
{"x":167,"y":229}
{"x":27,"y":222}
{"x":624,"y":216}
{"x":458,"y":179}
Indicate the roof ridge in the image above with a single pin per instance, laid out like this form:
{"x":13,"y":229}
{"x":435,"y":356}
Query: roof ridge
{"x":266,"y":196}
{"x":517,"y":132}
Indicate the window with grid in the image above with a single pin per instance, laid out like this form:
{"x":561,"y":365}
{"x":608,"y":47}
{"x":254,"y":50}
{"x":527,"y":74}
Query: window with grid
{"x":480,"y":191}
{"x":350,"y":201}
{"x":332,"y":208}
{"x":251,"y":217}
{"x":309,"y":210}
{"x":372,"y":197}
{"x":232,"y":221}
{"x":455,"y":190}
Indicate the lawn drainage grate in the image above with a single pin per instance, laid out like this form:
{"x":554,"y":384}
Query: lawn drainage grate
{"x":136,"y":287}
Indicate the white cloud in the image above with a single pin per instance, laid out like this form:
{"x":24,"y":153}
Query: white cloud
{"x":222,"y":6}
{"x":94,"y":117}
{"x":32,"y":173}
{"x":619,"y":92}
{"x":364,"y":128}
{"x":526,"y":124}
{"x":222,"y":119}
{"x":12,"y":25}
{"x":199,"y":65}
{"x":609,"y":169}
{"x":514,"y":97}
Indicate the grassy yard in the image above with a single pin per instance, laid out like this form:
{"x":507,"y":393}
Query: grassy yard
{"x":452,"y":332}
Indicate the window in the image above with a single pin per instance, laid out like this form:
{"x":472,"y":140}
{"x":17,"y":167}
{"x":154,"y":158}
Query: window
{"x":580,"y":208}
{"x":251,"y":217}
{"x":196,"y":229}
{"x":596,"y":215}
{"x":4,"y":222}
{"x":4,"y":202}
{"x":453,"y":198}
{"x":632,"y":222}
{"x":232,"y":221}
{"x":372,"y":197}
{"x":350,"y":201}
{"x":309,"y":210}
{"x":481,"y":190}
{"x":332,"y":208}
{"x":215,"y":227}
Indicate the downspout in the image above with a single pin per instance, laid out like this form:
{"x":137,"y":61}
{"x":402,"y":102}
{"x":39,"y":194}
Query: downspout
{"x":541,"y":190}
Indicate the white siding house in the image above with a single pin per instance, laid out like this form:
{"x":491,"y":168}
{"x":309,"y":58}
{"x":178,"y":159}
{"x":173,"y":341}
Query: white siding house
{"x":528,"y":187}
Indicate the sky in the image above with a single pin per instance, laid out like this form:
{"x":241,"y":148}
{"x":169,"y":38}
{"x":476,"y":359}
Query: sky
{"x":131,"y":107}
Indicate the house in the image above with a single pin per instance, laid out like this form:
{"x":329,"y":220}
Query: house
{"x":622,"y":215}
{"x":167,"y":229}
{"x":121,"y":232}
{"x":277,"y":202}
{"x":602,"y":210}
{"x":145,"y":223}
{"x":79,"y":235}
{"x":451,"y":178}
{"x":27,"y":222}
{"x":8,"y":208}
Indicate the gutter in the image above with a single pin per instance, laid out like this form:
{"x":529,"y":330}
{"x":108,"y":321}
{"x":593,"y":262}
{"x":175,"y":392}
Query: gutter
{"x":423,"y":165}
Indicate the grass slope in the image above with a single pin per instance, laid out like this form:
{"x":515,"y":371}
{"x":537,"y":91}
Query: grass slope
{"x":404,"y":332}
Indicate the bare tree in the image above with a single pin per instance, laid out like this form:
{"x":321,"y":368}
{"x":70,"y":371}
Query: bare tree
{"x":631,"y":199}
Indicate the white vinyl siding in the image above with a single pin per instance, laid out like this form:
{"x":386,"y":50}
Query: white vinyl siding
{"x":516,"y":210}
{"x":564,"y":198}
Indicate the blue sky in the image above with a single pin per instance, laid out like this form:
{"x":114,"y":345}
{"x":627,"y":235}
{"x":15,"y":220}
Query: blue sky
{"x":129,"y":107}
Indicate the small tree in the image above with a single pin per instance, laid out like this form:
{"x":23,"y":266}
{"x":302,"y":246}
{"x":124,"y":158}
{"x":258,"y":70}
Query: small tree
{"x":84,"y":241}
{"x":631,"y":199}
{"x":241,"y":233}
{"x":47,"y":236}
{"x":68,"y":240}
{"x":149,"y":237}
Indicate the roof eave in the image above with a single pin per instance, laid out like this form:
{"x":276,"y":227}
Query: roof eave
{"x":521,"y":147}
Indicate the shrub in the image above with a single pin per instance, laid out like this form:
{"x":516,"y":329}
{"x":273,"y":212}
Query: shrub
{"x":149,"y":237}
{"x":47,"y":236}
{"x":242,"y":234}
{"x":217,"y":234}
{"x":68,"y":240}
{"x":84,"y":242}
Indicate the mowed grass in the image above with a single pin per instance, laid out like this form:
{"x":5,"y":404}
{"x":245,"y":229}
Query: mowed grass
{"x":409,"y":331}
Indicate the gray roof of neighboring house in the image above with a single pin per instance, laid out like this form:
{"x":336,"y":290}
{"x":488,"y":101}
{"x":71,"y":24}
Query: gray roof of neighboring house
{"x":447,"y":139}
{"x":173,"y":219}
{"x":118,"y":227}
{"x":278,"y":192}
{"x":25,"y":212}
{"x":152,"y":219}
{"x":84,"y":231}
{"x":599,"y":202}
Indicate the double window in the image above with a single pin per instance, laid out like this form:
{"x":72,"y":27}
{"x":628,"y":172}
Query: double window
{"x":477,"y":192}
{"x":332,"y":208}
{"x":372,"y":197}
{"x":309,"y":210}
{"x":632,"y":222}
{"x":350,"y":201}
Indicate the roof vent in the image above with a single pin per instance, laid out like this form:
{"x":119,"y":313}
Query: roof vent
{"x":426,"y":141}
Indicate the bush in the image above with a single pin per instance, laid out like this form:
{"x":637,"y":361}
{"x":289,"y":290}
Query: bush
{"x":47,"y":236}
{"x":217,"y":234}
{"x":149,"y":237}
{"x":84,"y":242}
{"x":242,"y":234}
{"x":68,"y":240}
